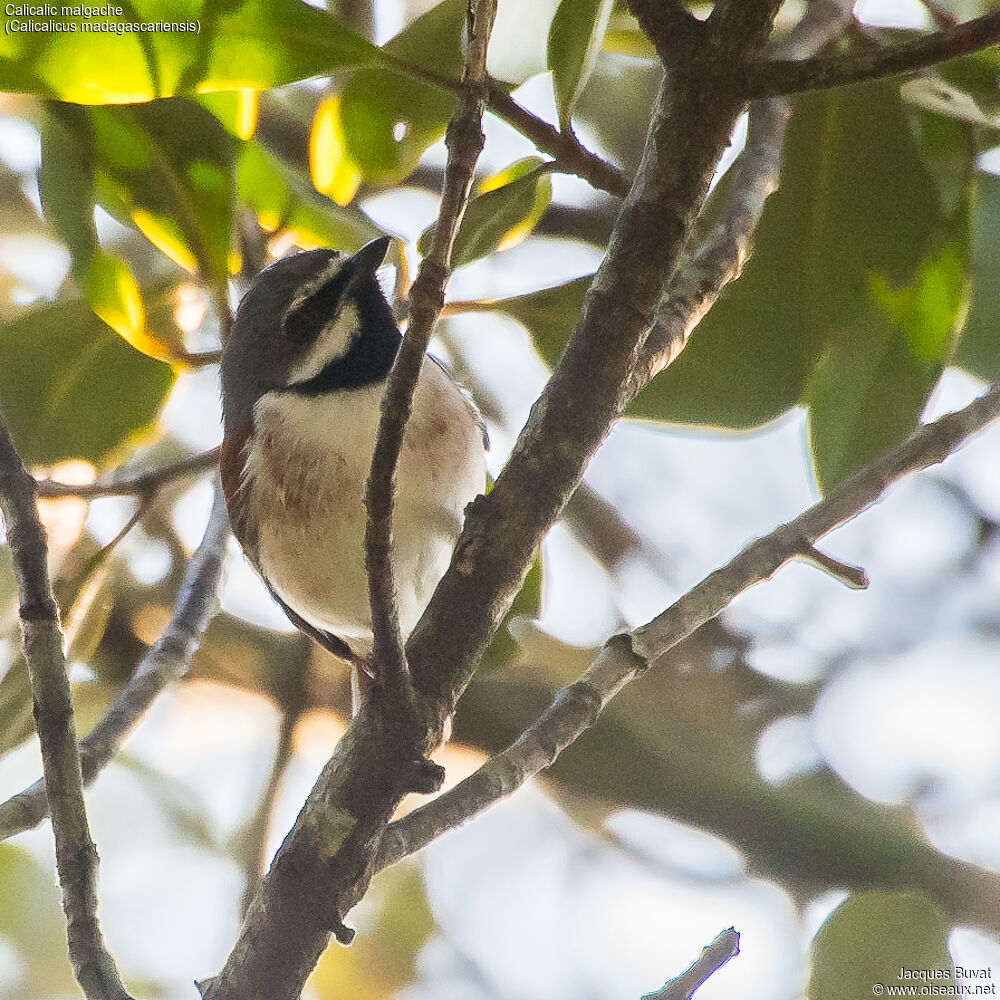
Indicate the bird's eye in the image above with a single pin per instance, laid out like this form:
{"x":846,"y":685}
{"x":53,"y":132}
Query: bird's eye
{"x":313,"y":307}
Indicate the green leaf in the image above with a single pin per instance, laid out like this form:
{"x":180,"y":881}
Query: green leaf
{"x":575,"y":38}
{"x":70,"y":387}
{"x":67,"y":186}
{"x":504,"y":214}
{"x":871,"y":938}
{"x":31,"y":920}
{"x":388,"y":117}
{"x":855,"y":199}
{"x":930,"y":310}
{"x":979,"y":346}
{"x":527,"y":604}
{"x":222,"y":45}
{"x":167,"y":167}
{"x":283,"y":200}
{"x":869,"y":388}
{"x":865,"y":395}
{"x":550,"y":315}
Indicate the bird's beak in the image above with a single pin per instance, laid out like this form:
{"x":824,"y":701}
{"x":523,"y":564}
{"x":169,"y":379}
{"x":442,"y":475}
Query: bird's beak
{"x":369,"y":258}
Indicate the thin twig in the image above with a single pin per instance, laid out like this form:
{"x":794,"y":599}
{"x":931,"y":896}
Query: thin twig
{"x":126,"y":482}
{"x":166,"y":661}
{"x":713,"y":957}
{"x":570,"y":155}
{"x":291,"y":696}
{"x":770,"y":79}
{"x":625,"y":657}
{"x":76,"y":855}
{"x":465,"y":142}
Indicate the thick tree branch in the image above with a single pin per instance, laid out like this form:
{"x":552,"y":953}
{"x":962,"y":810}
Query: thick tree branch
{"x":624,"y":657}
{"x":465,"y":142}
{"x":769,"y":79}
{"x":166,"y":661}
{"x":713,"y":957}
{"x":76,"y":856}
{"x":668,"y":24}
{"x":125,"y":482}
{"x":325,"y":864}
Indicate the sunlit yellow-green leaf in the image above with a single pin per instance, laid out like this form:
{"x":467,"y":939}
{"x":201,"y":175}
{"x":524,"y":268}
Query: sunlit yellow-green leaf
{"x":188,"y":47}
{"x":502,"y":215}
{"x":388,"y":117}
{"x":236,"y":109}
{"x":284,"y":200}
{"x":333,"y":172}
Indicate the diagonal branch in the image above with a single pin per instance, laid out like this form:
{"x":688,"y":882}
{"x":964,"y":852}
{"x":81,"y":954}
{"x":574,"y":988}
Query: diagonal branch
{"x":713,"y":957}
{"x":128,"y":483}
{"x":465,"y":142}
{"x":165,"y":662}
{"x":769,"y":79}
{"x":625,"y":657}
{"x":719,"y":257}
{"x":76,"y":855}
{"x":326,"y":862}
{"x":668,"y":24}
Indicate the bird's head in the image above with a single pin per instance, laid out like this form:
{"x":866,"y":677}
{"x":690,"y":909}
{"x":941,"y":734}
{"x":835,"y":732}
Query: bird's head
{"x":313,"y":322}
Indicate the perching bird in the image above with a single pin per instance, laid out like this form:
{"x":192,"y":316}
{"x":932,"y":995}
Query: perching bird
{"x":304,"y":370}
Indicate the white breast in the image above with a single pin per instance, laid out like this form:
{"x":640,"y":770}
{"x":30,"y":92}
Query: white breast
{"x":310,"y":462}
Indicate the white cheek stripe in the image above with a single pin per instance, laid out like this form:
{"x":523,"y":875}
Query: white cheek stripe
{"x":333,"y":342}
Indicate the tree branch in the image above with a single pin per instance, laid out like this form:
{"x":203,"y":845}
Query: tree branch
{"x":166,"y":661}
{"x":325,"y":864}
{"x":624,"y":657}
{"x":713,"y":957}
{"x":571,"y":157}
{"x":719,"y":257}
{"x":76,"y":855}
{"x":768,"y":79}
{"x":124,"y":482}
{"x":465,"y":142}
{"x":668,"y":24}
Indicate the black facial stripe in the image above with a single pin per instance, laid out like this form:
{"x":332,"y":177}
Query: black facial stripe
{"x":370,"y":356}
{"x":304,"y":322}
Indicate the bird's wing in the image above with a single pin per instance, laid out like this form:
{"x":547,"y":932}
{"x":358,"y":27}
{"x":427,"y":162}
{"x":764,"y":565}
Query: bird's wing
{"x":332,"y":643}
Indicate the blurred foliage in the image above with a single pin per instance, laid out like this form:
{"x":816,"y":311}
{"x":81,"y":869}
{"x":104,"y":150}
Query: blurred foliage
{"x":164,"y":169}
{"x":872,"y":938}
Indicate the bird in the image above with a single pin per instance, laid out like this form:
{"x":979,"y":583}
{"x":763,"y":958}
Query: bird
{"x":304,"y":369}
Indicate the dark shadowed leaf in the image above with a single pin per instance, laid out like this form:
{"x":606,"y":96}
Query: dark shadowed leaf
{"x":527,"y":604}
{"x":70,"y":387}
{"x":224,"y":45}
{"x":575,"y":37}
{"x":979,"y":347}
{"x":167,"y":168}
{"x":871,"y":938}
{"x":855,"y":199}
{"x":869,"y":388}
{"x":550,"y":315}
